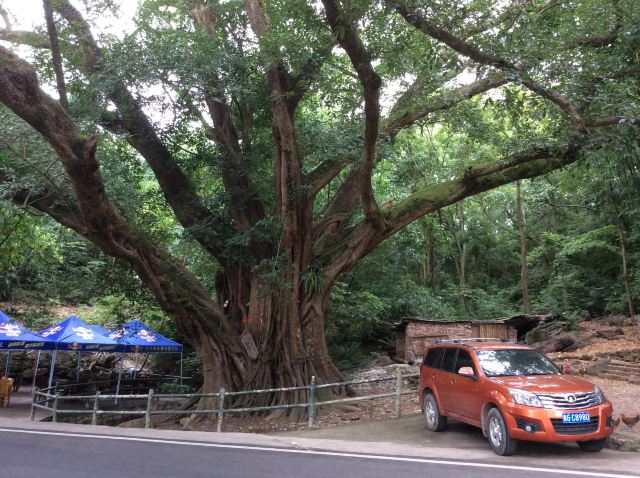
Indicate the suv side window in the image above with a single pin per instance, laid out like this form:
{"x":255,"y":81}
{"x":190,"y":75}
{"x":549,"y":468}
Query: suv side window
{"x":448,"y":359}
{"x":434,"y":357}
{"x":464,"y":360}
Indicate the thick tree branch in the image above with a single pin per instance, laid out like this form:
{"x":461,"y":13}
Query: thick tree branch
{"x":287,"y":171}
{"x":510,"y":14}
{"x":5,"y":18}
{"x":348,"y":38}
{"x":323,"y":174}
{"x":19,"y":90}
{"x":310,"y":70}
{"x":470,"y":51}
{"x":176,"y":187}
{"x":22,"y":37}
{"x":47,"y":201}
{"x":55,"y":54}
{"x":478,"y":170}
{"x":246,"y":208}
{"x":602,"y":40}
{"x":615,"y":120}
{"x":100,"y":222}
{"x":528,"y":164}
{"x":346,"y":199}
{"x":362,"y":238}
{"x":402,"y":116}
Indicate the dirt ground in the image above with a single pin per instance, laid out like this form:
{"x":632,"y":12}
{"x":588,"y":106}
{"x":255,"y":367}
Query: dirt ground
{"x":333,"y":415}
{"x":624,"y":397}
{"x":593,"y":345}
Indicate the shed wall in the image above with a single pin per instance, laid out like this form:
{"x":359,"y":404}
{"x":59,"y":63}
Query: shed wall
{"x":411,"y":345}
{"x":418,"y":336}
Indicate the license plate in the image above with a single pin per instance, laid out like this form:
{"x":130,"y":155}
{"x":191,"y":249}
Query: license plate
{"x":576,"y":417}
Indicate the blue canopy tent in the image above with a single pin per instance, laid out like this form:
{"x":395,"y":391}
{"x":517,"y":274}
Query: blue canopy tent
{"x":100,"y":331}
{"x":4,"y":317}
{"x":14,"y":336}
{"x":72,"y":334}
{"x":136,"y":337}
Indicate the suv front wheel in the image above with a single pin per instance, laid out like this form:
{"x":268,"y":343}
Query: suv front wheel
{"x":435,"y":421}
{"x":499,"y":439}
{"x":593,"y":445}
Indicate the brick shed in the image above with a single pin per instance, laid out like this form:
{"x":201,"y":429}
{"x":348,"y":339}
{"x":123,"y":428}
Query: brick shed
{"x":414,"y":334}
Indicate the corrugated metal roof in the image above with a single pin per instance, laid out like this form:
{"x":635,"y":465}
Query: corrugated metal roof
{"x":502,"y":320}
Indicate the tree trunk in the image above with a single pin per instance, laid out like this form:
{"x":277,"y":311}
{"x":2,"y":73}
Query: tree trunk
{"x":428,"y":273}
{"x":462,"y":245}
{"x":289,"y":335}
{"x":524,"y":284}
{"x":625,"y":272}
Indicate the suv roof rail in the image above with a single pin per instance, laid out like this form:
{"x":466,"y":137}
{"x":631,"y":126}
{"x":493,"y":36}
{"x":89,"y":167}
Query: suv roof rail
{"x":470,"y":339}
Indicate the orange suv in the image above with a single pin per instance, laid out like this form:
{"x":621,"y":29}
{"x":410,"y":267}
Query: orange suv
{"x":513,"y":393}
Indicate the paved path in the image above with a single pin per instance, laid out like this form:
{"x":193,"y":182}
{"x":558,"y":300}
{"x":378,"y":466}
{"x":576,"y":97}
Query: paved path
{"x":20,"y":406}
{"x":42,"y":453}
{"x":388,"y":441}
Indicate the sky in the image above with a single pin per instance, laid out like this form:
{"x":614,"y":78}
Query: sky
{"x":26,"y":14}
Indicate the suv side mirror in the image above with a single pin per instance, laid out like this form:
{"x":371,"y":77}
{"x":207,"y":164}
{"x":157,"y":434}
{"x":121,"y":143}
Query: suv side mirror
{"x":466,"y":371}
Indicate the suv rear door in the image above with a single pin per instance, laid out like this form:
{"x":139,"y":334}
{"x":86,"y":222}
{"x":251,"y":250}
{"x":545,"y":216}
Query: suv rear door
{"x":464,"y":397}
{"x":443,"y":378}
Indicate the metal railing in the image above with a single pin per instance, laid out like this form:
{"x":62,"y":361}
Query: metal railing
{"x":51,"y":399}
{"x":128,"y":385}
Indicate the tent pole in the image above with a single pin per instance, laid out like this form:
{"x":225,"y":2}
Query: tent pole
{"x":181,"y":359}
{"x":8,"y":361}
{"x":78,"y":368}
{"x":54,"y":356}
{"x":119,"y":376}
{"x":35,"y":372}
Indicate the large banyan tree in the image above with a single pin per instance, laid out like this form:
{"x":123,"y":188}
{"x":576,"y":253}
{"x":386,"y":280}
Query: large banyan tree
{"x":267,"y":125}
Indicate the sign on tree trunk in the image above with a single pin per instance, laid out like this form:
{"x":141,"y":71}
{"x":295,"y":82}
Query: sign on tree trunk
{"x":249,"y":345}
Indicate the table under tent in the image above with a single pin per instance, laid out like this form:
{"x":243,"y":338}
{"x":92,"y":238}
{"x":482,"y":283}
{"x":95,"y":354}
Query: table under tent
{"x":136,"y":337}
{"x":14,"y":336}
{"x":73,"y":335}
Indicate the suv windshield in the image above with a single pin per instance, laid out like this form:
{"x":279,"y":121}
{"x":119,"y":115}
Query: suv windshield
{"x":496,"y":363}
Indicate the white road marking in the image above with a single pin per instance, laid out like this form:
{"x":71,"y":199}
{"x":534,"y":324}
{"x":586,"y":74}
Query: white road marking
{"x":556,"y":471}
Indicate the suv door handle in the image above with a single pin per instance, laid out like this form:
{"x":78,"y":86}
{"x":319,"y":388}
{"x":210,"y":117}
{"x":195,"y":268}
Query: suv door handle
{"x":433,"y":376}
{"x":453,"y":380}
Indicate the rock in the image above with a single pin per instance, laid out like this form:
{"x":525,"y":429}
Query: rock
{"x":564,"y":343}
{"x":616,"y":321}
{"x":185,"y":422}
{"x":381,"y":360}
{"x":623,"y":443}
{"x":584,"y":315}
{"x":546,"y":331}
{"x":597,"y":368}
{"x":610,"y":334}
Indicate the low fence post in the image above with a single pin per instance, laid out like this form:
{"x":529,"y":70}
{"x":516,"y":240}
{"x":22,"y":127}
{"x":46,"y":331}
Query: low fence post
{"x":33,"y":403}
{"x":147,"y":413}
{"x":94,"y":416}
{"x":398,"y":393}
{"x":312,"y":401}
{"x":55,"y":407}
{"x":220,"y":410}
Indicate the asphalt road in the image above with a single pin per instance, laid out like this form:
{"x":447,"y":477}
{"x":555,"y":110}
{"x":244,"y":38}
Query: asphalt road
{"x":25,"y":454}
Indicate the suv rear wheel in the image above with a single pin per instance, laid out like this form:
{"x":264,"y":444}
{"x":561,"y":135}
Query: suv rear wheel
{"x":499,"y":439}
{"x":435,"y":421}
{"x":593,"y":445}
